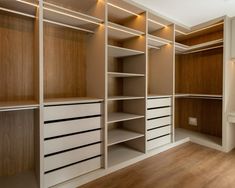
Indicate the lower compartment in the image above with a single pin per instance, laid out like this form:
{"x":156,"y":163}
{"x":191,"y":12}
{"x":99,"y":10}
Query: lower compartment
{"x":158,"y":142}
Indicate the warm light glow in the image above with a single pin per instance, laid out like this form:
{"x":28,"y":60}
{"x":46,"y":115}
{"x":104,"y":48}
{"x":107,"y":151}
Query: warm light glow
{"x":125,"y":10}
{"x":132,"y":33}
{"x":158,"y":23}
{"x":72,"y":16}
{"x":204,"y":28}
{"x":28,"y":3}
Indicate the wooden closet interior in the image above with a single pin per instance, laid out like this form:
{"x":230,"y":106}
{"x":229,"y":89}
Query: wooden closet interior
{"x":92,"y":86}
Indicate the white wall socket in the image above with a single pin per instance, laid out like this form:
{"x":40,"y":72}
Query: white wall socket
{"x":192,"y":121}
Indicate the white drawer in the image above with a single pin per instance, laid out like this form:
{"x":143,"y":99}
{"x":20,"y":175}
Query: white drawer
{"x":159,"y":142}
{"x":155,"y":103}
{"x":69,"y":142}
{"x":154,"y":123}
{"x":158,"y":132}
{"x":70,"y":172}
{"x":70,"y":157}
{"x":159,"y":112}
{"x":71,"y":111}
{"x":73,"y":126}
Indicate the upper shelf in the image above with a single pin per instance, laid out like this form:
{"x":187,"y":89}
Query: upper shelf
{"x":200,"y":96}
{"x":157,"y":42}
{"x":114,"y":51}
{"x":181,"y":48}
{"x":67,"y":17}
{"x":21,"y":7}
{"x":18,"y":105}
{"x":119,"y":32}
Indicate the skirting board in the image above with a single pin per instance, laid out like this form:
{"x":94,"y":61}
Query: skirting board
{"x":76,"y":182}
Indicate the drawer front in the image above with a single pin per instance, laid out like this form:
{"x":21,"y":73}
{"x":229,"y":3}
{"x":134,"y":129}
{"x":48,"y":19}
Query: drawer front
{"x":155,"y":103}
{"x":154,"y":123}
{"x":71,"y":111}
{"x":69,"y":142}
{"x":73,"y":126}
{"x":158,"y":142}
{"x":159,"y":112}
{"x":70,"y":157}
{"x":158,"y":132}
{"x":70,"y":172}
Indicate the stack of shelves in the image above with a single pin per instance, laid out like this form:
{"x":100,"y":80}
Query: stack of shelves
{"x":19,"y":98}
{"x":126,"y":82}
{"x":199,"y":84}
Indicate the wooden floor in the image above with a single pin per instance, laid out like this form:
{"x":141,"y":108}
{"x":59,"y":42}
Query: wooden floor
{"x":186,"y":166}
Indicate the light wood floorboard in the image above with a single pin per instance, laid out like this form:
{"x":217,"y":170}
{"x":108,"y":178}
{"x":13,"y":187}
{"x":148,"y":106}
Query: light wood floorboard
{"x":186,"y":166}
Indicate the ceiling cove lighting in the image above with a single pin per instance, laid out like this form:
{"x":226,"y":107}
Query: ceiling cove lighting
{"x":158,"y":23}
{"x":198,"y":30}
{"x":125,"y":10}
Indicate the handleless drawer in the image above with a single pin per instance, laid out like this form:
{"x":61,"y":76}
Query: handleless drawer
{"x":71,"y":126}
{"x":70,"y":157}
{"x":159,"y":122}
{"x":158,"y":132}
{"x":159,"y":142}
{"x":159,"y":112}
{"x":69,"y":142}
{"x":70,"y":172}
{"x":71,"y":111}
{"x":155,"y":103}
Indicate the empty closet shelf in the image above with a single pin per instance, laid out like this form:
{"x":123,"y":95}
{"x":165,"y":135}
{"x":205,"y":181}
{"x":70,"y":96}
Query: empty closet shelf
{"x":120,"y":153}
{"x":155,"y":41}
{"x":123,"y":75}
{"x":117,"y":136}
{"x":202,"y":96}
{"x":115,"y":51}
{"x":121,"y":116}
{"x":120,"y":98}
{"x":16,"y":105}
{"x":119,"y":32}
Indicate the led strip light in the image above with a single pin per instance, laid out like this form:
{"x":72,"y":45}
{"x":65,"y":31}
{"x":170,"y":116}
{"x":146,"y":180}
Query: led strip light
{"x":125,"y":10}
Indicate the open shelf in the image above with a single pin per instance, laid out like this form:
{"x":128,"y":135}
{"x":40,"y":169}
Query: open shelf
{"x":7,"y":106}
{"x":22,"y":180}
{"x":184,"y":49}
{"x":116,"y":136}
{"x":120,"y":116}
{"x":119,"y":32}
{"x":157,"y":42}
{"x":119,"y":98}
{"x":118,"y":154}
{"x":155,"y":96}
{"x":114,"y":51}
{"x":120,"y":74}
{"x":73,"y":100}
{"x":197,"y":137}
{"x":202,"y":96}
{"x":19,"y":7}
{"x":59,"y":15}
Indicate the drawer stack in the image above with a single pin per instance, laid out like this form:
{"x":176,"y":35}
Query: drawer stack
{"x":72,"y":141}
{"x":158,"y":122}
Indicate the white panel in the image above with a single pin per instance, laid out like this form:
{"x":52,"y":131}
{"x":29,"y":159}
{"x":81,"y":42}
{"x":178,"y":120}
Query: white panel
{"x":233,"y":39}
{"x":158,"y":112}
{"x":158,"y":132}
{"x":68,"y":142}
{"x":159,"y":142}
{"x":155,"y":103}
{"x":71,"y":111}
{"x":70,"y":157}
{"x":73,"y":126}
{"x":154,"y":123}
{"x":70,"y":172}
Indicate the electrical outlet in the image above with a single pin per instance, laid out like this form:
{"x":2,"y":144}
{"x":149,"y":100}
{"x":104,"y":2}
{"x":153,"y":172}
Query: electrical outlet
{"x":192,"y":121}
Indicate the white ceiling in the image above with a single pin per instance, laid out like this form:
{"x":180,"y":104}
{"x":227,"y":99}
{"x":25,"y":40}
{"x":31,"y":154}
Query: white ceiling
{"x":191,"y":12}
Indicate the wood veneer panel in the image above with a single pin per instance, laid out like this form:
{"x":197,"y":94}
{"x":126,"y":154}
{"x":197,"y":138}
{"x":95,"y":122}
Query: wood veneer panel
{"x":17,"y":66}
{"x":64,"y":62}
{"x":200,"y":73}
{"x":207,"y":112}
{"x":16,"y":142}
